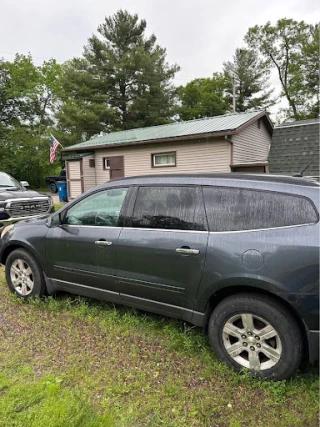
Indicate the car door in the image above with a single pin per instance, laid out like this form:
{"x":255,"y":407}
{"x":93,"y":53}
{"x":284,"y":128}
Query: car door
{"x":162,"y":248}
{"x":83,"y":249}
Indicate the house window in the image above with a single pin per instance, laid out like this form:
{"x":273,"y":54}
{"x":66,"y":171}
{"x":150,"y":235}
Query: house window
{"x":259,"y":123}
{"x":163,"y":159}
{"x":92,"y":163}
{"x":106,"y":163}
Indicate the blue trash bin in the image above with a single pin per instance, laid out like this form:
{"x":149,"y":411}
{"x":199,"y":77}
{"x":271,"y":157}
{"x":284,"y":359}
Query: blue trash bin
{"x":62,"y":191}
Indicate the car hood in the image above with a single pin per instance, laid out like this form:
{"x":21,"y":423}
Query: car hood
{"x":37,"y":221}
{"x":7,"y":194}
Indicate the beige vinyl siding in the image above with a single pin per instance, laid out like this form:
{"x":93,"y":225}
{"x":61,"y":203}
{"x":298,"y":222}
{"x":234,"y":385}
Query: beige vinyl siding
{"x":212,"y":155}
{"x":74,"y":169}
{"x":75,"y":189}
{"x":252,"y":144}
{"x":89,"y":174}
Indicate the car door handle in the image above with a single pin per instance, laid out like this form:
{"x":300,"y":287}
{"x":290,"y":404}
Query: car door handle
{"x":102,"y":243}
{"x":187,"y":251}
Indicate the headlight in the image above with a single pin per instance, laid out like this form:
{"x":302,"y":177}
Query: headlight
{"x":6,"y":229}
{"x":2,"y":206}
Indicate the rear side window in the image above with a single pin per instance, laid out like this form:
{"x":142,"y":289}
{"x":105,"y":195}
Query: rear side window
{"x":165,"y":207}
{"x":235,"y":209}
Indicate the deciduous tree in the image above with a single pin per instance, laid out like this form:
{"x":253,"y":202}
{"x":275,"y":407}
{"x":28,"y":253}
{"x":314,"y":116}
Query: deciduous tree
{"x":204,"y":97}
{"x":292,"y":49}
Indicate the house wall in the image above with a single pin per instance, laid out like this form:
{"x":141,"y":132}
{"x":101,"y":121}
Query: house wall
{"x":251,"y":144}
{"x":196,"y":156}
{"x":89,"y":174}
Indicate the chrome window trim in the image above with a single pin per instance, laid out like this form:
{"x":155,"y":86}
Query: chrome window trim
{"x":193,"y":231}
{"x":263,"y":229}
{"x":137,"y":228}
{"x":176,"y":230}
{"x":90,"y":226}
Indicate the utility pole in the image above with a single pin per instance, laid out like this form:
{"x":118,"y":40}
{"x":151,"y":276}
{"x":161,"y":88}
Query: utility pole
{"x":233,"y":93}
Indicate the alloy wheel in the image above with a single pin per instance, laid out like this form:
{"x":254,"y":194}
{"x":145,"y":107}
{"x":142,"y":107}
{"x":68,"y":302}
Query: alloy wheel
{"x":21,"y":277}
{"x":252,"y":342}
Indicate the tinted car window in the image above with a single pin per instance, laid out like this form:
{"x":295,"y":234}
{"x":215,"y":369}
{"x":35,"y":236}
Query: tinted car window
{"x":99,"y":209}
{"x":230,"y":209}
{"x":165,"y":207}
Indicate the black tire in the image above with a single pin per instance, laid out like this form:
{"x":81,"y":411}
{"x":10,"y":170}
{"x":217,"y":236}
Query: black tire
{"x":26,"y":261}
{"x":53,"y":187}
{"x":287,"y":348}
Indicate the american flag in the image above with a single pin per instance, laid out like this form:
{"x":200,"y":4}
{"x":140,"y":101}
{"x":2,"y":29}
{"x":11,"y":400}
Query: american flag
{"x":54,"y":144}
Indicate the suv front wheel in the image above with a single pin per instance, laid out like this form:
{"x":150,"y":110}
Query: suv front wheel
{"x":24,"y":275}
{"x":256,"y":332}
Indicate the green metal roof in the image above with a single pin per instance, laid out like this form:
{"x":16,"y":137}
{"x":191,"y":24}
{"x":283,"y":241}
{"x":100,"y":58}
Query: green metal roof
{"x":70,"y":156}
{"x":225,"y":123}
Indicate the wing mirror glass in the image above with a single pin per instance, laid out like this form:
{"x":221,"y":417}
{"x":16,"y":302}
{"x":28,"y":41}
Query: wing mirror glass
{"x":62,"y":216}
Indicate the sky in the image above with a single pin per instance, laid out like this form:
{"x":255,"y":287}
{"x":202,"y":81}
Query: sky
{"x":199,"y":35}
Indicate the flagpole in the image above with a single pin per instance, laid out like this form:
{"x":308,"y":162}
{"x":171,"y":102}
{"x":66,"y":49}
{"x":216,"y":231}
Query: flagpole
{"x":56,"y":140}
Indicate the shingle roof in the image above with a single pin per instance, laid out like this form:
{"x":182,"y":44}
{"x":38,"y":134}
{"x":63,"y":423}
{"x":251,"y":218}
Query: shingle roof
{"x":225,"y":123}
{"x":293,"y":146}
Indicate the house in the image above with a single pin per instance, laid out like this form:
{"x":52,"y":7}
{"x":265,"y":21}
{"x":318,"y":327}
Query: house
{"x":294,"y":146}
{"x":236,"y":142}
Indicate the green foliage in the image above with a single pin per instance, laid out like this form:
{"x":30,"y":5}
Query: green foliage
{"x":249,"y":74}
{"x":292,"y":49}
{"x":28,"y":101}
{"x":123,"y":81}
{"x":203,"y":98}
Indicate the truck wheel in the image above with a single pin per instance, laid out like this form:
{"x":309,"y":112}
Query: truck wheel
{"x":24,"y":275}
{"x":256,"y":332}
{"x":53,"y":187}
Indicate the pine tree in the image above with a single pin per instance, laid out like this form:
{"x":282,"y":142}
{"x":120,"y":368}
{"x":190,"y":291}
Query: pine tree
{"x":123,"y":80}
{"x":251,"y":78}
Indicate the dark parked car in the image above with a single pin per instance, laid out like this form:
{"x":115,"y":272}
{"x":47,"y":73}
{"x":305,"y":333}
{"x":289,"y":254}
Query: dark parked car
{"x":51,"y":181}
{"x":16,"y":202}
{"x":237,"y":253}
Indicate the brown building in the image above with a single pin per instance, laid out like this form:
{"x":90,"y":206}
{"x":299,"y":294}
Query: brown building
{"x":236,"y":142}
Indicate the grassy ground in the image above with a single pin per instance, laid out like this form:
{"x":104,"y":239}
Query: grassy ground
{"x":73,"y":361}
{"x":57,"y":206}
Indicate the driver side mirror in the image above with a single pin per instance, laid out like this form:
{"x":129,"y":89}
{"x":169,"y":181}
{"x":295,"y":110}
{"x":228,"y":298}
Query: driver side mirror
{"x":62,"y":216}
{"x":25,"y":184}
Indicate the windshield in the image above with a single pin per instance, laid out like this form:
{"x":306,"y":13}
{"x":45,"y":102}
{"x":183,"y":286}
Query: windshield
{"x":6,"y":181}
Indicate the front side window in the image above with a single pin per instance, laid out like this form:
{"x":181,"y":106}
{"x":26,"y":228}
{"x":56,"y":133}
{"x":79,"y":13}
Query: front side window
{"x":99,"y":209}
{"x":164,"y":159}
{"x":165,"y":208}
{"x":236,"y":209}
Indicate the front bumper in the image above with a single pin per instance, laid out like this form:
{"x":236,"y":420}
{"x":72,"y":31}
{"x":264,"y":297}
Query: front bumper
{"x":314,"y":346}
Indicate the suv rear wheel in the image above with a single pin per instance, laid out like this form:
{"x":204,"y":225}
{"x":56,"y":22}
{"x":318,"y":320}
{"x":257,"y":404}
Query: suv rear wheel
{"x":24,"y":275}
{"x":256,"y":332}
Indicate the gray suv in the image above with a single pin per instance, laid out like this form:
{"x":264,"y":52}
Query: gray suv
{"x":237,"y":254}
